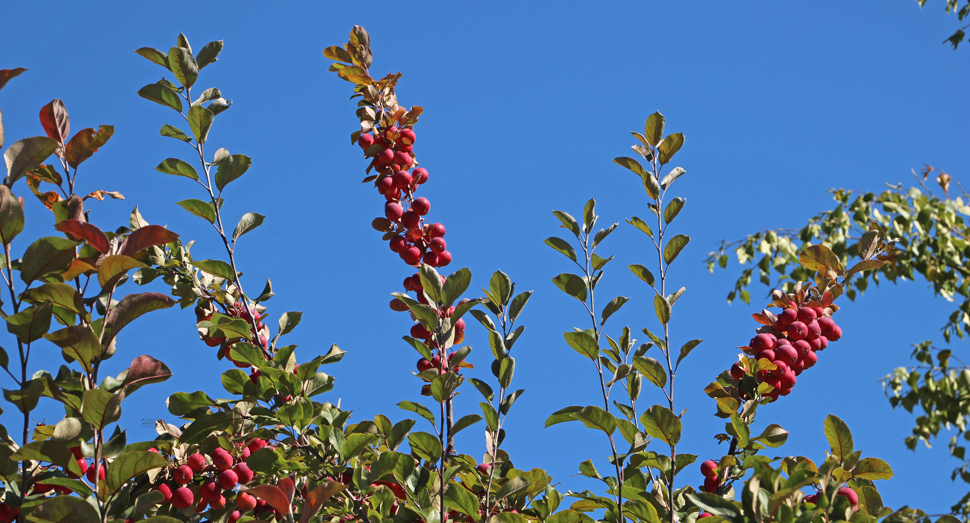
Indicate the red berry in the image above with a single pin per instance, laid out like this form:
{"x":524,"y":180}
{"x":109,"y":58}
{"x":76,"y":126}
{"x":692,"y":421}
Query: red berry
{"x":484,"y":468}
{"x":709,"y":468}
{"x":256,"y":444}
{"x":210,"y":490}
{"x":814,"y":331}
{"x":393,"y":211}
{"x":711,"y":483}
{"x":200,"y":506}
{"x":398,"y":243}
{"x":411,"y":255}
{"x":406,"y":136}
{"x":419,"y":175}
{"x":767,"y":355}
{"x":222,"y":460}
{"x":736,"y":371}
{"x":802,"y":347}
{"x":797,"y":331}
{"x":834,"y":334}
{"x":787,"y":353}
{"x":424,"y":364}
{"x":811,"y":498}
{"x":403,"y":159}
{"x":444,"y":258}
{"x":822,"y":342}
{"x":703,"y":515}
{"x":437,"y":245}
{"x":418,"y":331}
{"x":218,"y":503}
{"x":850,"y":495}
{"x":806,"y":315}
{"x":385,"y":184}
{"x":780,"y":369}
{"x":402,"y":179}
{"x":182,"y":498}
{"x":196,"y":462}
{"x":83,"y":465}
{"x":410,"y":219}
{"x":786,"y":317}
{"x":788,"y":380}
{"x":365,"y":141}
{"x":245,"y":502}
{"x":762,"y":342}
{"x":826,"y":323}
{"x":385,"y":157}
{"x":166,"y":491}
{"x":430,"y":258}
{"x":234,"y":517}
{"x":183,"y":474}
{"x":228,"y":479}
{"x":809,"y":360}
{"x":436,"y":230}
{"x":421,"y":206}
{"x":78,"y":454}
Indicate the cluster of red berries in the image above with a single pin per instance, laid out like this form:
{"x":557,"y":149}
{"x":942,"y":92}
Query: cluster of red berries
{"x":712,"y":481}
{"x":393,"y":160}
{"x":846,"y":492}
{"x":87,"y":470}
{"x":790,"y":342}
{"x":237,"y":310}
{"x":210,"y":482}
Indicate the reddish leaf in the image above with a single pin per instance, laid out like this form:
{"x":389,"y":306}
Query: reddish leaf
{"x":316,"y":497}
{"x":57,"y":124}
{"x":131,"y":307}
{"x":87,"y":142}
{"x":146,"y":237}
{"x":272,"y":495}
{"x":144,"y":370}
{"x":7,"y":74}
{"x":288,"y":486}
{"x":87,"y":232}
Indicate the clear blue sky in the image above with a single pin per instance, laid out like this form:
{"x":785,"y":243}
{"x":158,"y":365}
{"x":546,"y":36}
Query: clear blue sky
{"x":525,"y":107}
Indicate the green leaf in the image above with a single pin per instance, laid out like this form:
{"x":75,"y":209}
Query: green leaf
{"x":653,"y":130}
{"x":431,"y":283}
{"x":182,"y":403}
{"x":596,"y":418}
{"x":584,"y":343}
{"x":512,"y":486}
{"x":651,"y":185}
{"x":59,"y":294}
{"x":178,"y":168}
{"x":209,"y":53}
{"x":677,"y":172}
{"x":31,"y":323}
{"x":79,"y":343}
{"x":161,"y":93}
{"x":199,"y":208}
{"x":674,"y":246}
{"x":183,"y":65}
{"x":816,"y":257}
{"x":669,"y":147}
{"x":200,"y":121}
{"x":65,"y":509}
{"x":465,"y":422}
{"x":171,"y":131}
{"x":602,"y":234}
{"x":517,"y":304}
{"x":216,"y":268}
{"x":154,"y":55}
{"x":589,"y":215}
{"x":839,"y":437}
{"x":562,"y":415}
{"x":131,"y":464}
{"x":248,"y":222}
{"x":11,"y":216}
{"x":572,"y":285}
{"x":455,"y":285}
{"x":114,"y":267}
{"x":562,"y":246}
{"x":568,"y":222}
{"x":716,"y":505}
{"x":773,"y":436}
{"x":643,"y":273}
{"x":459,"y":498}
{"x":418,"y":409}
{"x":661,"y":423}
{"x":500,"y":286}
{"x":673,"y":209}
{"x":642,"y":225}
{"x":25,"y":155}
{"x":506,"y":370}
{"x":130,"y":308}
{"x":425,"y":446}
{"x":737,"y":428}
{"x":491,"y":416}
{"x":651,"y":369}
{"x":872,"y":469}
{"x":685,"y":350}
{"x":630,"y":164}
{"x":662,"y":307}
{"x":868,"y":244}
{"x":101,"y":408}
{"x":231,"y":168}
{"x":26,"y":398}
{"x":611,"y":307}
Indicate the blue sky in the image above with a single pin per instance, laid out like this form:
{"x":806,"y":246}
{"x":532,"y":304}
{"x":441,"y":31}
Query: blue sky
{"x":525,"y":107}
